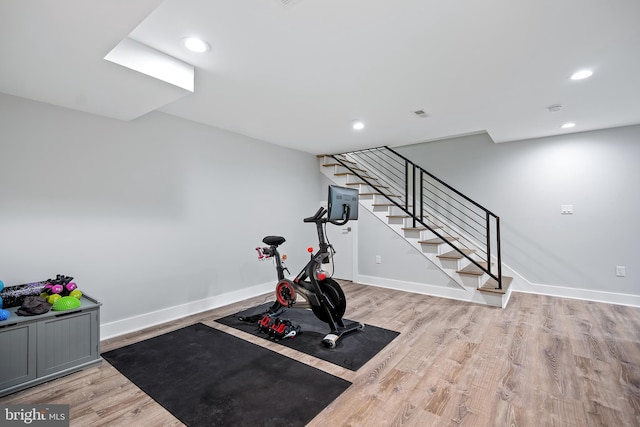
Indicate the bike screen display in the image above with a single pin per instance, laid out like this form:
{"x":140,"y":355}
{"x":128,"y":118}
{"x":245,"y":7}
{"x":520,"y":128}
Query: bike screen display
{"x":341,"y":198}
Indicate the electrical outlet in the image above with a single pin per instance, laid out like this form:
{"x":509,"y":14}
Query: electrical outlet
{"x":566,"y":209}
{"x":378,"y":259}
{"x":620,"y":271}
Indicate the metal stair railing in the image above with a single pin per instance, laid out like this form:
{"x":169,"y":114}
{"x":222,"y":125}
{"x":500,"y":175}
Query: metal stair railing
{"x":463,"y":224}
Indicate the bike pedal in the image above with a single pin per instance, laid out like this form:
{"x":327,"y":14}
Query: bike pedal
{"x":282,"y":329}
{"x":265,"y":323}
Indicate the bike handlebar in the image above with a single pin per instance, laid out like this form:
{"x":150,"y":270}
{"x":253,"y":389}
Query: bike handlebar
{"x":318,"y":215}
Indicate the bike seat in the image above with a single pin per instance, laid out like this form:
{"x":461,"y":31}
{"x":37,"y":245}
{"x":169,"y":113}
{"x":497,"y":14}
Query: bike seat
{"x":273,"y":240}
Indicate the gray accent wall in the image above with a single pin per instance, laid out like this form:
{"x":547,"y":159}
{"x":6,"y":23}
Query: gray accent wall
{"x":148,"y":214}
{"x":526,"y":182}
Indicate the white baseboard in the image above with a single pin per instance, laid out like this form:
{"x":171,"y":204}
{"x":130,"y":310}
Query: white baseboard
{"x":521,"y":286}
{"x":455,"y":293}
{"x":418,"y":288}
{"x":146,"y":320}
{"x":581,"y":294}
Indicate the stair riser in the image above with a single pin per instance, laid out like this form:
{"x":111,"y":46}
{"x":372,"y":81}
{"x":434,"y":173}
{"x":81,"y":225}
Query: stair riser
{"x":337,"y":169}
{"x":395,"y":221}
{"x":380,"y":199}
{"x":327,"y":160}
{"x":378,"y":209}
{"x":352,"y":178}
{"x":328,"y":171}
{"x":409,"y":223}
{"x":428,"y":234}
{"x":472,"y":282}
{"x":363,"y":188}
{"x":450,"y":264}
{"x":412,"y":234}
{"x":430,"y":249}
{"x":394,"y":210}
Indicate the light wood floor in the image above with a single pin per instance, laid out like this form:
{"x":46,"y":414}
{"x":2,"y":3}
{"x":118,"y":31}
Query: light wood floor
{"x":542,"y":361}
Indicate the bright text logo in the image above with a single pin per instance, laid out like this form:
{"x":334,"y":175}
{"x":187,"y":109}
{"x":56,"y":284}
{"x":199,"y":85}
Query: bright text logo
{"x":34,"y":415}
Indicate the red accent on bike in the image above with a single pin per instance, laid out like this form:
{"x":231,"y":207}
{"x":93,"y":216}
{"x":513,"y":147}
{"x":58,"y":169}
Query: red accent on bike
{"x":285,"y":293}
{"x":322,"y":275}
{"x":310,"y":249}
{"x":265,"y":323}
{"x":278,"y":328}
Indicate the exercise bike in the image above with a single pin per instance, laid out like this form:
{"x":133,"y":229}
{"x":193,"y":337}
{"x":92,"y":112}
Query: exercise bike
{"x":321,"y":293}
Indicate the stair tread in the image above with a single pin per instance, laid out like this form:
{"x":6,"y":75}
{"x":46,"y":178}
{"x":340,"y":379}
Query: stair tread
{"x":349,"y":173}
{"x":378,"y":194}
{"x":473,"y":270}
{"x":437,"y":241}
{"x":364,"y":183}
{"x":352,"y":168}
{"x":456,"y":254}
{"x":422,"y":228}
{"x":491,"y":285}
{"x":330,"y":156}
{"x":332,"y":164}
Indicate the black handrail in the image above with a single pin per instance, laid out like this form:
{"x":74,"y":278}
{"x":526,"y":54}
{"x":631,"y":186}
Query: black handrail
{"x":384,"y":167}
{"x":442,"y":182}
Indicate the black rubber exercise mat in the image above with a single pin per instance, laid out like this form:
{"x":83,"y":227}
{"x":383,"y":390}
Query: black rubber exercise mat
{"x":352,"y":351}
{"x":206,"y":377}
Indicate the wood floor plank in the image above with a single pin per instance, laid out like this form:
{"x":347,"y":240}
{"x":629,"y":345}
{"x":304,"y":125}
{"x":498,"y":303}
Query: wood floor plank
{"x":540,"y":361}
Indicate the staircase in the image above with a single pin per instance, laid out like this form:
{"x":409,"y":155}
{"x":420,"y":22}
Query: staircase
{"x":453,"y":232}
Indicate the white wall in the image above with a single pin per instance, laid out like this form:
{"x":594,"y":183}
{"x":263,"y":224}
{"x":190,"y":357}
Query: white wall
{"x":526,"y":182}
{"x":399,"y":260}
{"x":147,"y":215}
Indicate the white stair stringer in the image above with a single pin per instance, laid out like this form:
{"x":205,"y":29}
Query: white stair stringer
{"x":394,"y":218}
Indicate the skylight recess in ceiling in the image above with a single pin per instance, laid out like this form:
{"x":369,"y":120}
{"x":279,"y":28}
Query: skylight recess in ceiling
{"x":144,"y":59}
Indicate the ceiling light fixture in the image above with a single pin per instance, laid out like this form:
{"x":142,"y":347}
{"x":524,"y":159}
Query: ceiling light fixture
{"x":358,"y":125}
{"x":568,"y":125}
{"x":582,"y":74}
{"x":195,"y":44}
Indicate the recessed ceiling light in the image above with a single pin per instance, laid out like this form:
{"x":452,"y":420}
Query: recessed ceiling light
{"x":358,"y":125}
{"x":582,"y":74}
{"x":195,"y":44}
{"x":568,"y":125}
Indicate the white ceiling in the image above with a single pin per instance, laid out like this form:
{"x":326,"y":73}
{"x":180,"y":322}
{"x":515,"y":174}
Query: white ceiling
{"x":296,"y":73}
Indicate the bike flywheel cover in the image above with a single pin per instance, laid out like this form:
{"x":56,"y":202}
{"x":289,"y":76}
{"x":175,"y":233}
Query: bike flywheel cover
{"x":286,"y":293}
